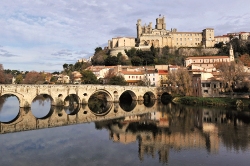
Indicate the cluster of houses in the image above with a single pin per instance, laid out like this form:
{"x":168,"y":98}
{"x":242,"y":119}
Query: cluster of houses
{"x":205,"y":75}
{"x":245,"y":36}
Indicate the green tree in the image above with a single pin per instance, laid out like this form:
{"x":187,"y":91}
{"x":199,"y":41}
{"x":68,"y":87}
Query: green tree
{"x":98,"y":49}
{"x":131,"y":53}
{"x":117,"y":80}
{"x":136,"y":61}
{"x":165,"y":50}
{"x":78,"y":66}
{"x":88,"y":77}
{"x":111,"y":61}
{"x":99,"y":58}
{"x":53,"y":79}
{"x":19,"y":79}
{"x":153,"y":50}
{"x":219,"y":45}
{"x":65,"y":66}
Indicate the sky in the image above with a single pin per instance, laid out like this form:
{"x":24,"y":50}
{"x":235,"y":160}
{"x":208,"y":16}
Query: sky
{"x":42,"y":35}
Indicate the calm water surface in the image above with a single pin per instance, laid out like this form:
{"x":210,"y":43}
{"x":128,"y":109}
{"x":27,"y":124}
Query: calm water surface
{"x":170,"y":135}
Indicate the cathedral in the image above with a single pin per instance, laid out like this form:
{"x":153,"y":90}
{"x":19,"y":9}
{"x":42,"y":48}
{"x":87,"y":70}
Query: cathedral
{"x":160,"y":36}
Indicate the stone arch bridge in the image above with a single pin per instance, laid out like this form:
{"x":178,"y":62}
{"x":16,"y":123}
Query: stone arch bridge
{"x":26,"y":93}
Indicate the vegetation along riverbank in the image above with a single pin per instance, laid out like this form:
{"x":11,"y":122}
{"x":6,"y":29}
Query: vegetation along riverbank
{"x":227,"y":102}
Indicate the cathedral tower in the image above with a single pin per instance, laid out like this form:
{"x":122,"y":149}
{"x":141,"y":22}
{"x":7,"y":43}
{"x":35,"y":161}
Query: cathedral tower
{"x":160,"y":23}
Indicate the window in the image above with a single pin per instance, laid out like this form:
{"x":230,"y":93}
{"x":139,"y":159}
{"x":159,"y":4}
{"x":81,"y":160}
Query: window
{"x":205,"y":91}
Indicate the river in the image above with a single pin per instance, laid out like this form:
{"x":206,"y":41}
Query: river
{"x":166,"y":135}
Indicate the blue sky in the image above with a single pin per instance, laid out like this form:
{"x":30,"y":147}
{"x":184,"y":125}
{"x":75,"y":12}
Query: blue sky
{"x":42,"y":35}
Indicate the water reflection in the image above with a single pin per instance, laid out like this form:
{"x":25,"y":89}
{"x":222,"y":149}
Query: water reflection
{"x":41,"y":106}
{"x":181,"y":127}
{"x":71,"y":104}
{"x":128,"y":105}
{"x":98,"y":104}
{"x":158,"y":132}
{"x":9,"y":108}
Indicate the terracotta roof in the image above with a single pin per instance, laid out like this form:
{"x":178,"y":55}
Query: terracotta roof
{"x":161,"y":72}
{"x":207,"y":57}
{"x":222,"y":36}
{"x":132,"y":73}
{"x":151,"y":71}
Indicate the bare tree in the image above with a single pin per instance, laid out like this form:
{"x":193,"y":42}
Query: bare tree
{"x":180,"y":81}
{"x":108,"y":76}
{"x":232,"y":74}
{"x":34,"y":77}
{"x":2,"y":77}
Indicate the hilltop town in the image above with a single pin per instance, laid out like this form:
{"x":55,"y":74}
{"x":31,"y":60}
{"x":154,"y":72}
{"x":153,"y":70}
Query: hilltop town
{"x":189,"y":63}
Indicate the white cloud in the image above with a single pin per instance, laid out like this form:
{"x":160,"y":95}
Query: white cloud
{"x":36,"y":31}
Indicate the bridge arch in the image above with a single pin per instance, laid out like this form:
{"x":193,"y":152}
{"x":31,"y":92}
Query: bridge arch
{"x":19,"y":96}
{"x":149,"y":94}
{"x":128,"y":93}
{"x":72,"y":104}
{"x":108,"y":95}
{"x":100,"y":102}
{"x":32,"y":97}
{"x":166,"y":97}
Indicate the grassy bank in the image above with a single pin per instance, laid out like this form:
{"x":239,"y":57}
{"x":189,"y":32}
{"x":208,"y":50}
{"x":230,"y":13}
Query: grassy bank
{"x":227,"y":102}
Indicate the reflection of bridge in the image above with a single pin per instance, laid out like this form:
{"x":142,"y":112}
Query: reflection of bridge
{"x":26,"y":93}
{"x":58,"y":117}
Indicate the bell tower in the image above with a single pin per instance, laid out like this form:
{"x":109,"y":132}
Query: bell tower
{"x":160,"y":23}
{"x":231,"y":53}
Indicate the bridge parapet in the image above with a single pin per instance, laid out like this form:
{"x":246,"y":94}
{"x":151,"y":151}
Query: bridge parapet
{"x":26,"y":93}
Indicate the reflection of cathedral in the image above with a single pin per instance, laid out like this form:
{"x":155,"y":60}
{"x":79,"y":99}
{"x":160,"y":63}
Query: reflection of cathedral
{"x":158,"y":132}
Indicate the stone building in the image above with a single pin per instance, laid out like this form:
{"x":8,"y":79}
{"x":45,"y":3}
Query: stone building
{"x":119,"y":44}
{"x":244,"y":36}
{"x":160,"y":36}
{"x":207,"y":62}
{"x":224,"y":39}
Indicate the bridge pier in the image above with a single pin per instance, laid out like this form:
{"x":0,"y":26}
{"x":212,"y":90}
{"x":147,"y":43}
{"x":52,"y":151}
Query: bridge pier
{"x":140,"y":98}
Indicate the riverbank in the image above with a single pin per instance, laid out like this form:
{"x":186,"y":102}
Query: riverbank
{"x":206,"y":101}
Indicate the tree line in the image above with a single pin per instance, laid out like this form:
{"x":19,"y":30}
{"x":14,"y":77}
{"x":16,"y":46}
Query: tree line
{"x":137,"y":57}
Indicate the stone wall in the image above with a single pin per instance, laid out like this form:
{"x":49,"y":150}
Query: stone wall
{"x":194,"y":51}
